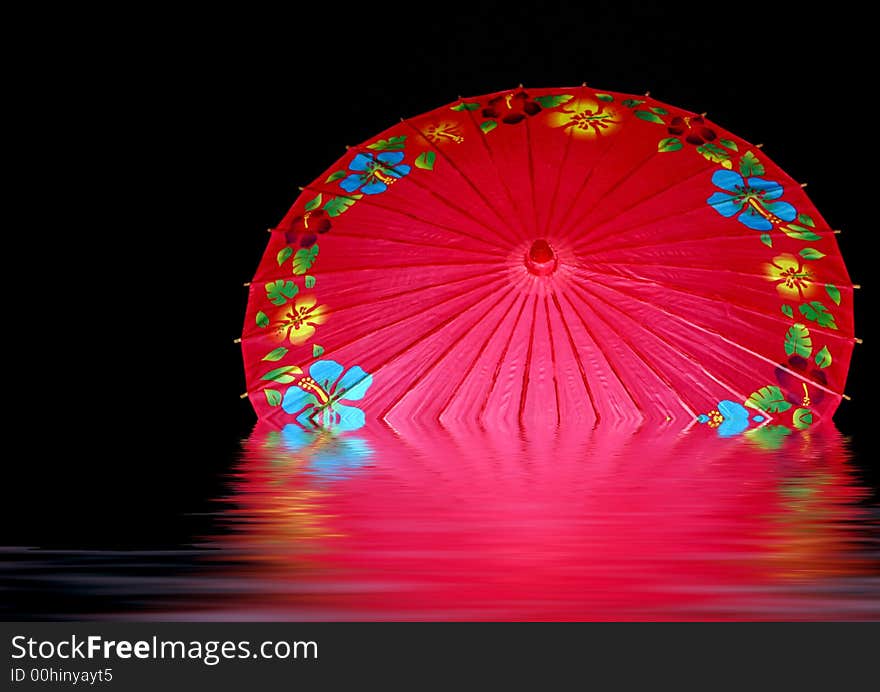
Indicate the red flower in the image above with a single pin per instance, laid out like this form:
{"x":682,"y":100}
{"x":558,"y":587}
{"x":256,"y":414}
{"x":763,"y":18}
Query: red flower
{"x":306,"y":228}
{"x":795,"y":389}
{"x":693,"y":127}
{"x":511,"y":108}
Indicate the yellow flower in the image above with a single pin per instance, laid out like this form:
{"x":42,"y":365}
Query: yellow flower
{"x":585,"y":118}
{"x":792,"y":277}
{"x":299,"y":321}
{"x":444,"y":132}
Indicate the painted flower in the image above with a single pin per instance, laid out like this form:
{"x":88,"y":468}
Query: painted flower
{"x":316,"y":401}
{"x":730,"y":418}
{"x":374,"y":174}
{"x":328,"y":455}
{"x":752,"y":200}
{"x":793,"y":386}
{"x":692,"y":128}
{"x":445,"y":131}
{"x":585,"y":118}
{"x":300,"y":320}
{"x":511,"y":108}
{"x":793,"y":278}
{"x":305,"y":228}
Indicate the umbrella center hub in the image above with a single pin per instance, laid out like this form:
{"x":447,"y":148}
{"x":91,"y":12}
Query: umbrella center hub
{"x":541,"y":259}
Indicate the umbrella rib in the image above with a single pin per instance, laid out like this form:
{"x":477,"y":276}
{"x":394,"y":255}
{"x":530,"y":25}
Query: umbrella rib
{"x":605,"y":355}
{"x":424,"y":373}
{"x":637,"y":352}
{"x":577,"y":358}
{"x":501,"y":358}
{"x":410,"y":291}
{"x":688,"y":355}
{"x":656,"y":282}
{"x":513,"y":205}
{"x":491,"y":207}
{"x":528,"y":365}
{"x":723,"y":338}
{"x":599,"y":159}
{"x":448,"y":248}
{"x":634,"y":205}
{"x":473,"y":364}
{"x":420,"y":311}
{"x":369,"y":202}
{"x":553,"y":359}
{"x":552,"y":205}
{"x":409,"y":265}
{"x":531,"y":160}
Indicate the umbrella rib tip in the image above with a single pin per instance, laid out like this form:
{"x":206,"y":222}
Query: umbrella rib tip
{"x":847,"y":397}
{"x":803,"y":184}
{"x":647,"y":93}
{"x":246,"y":284}
{"x":857,"y":286}
{"x":237,"y":341}
{"x":759,"y":146}
{"x":858,"y":340}
{"x":243,"y":396}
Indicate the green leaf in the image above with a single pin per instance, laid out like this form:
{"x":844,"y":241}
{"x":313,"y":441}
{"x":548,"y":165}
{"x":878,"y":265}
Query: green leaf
{"x":284,"y":374}
{"x":283,"y":255}
{"x":669,"y":144}
{"x":262,"y":319}
{"x":792,"y":230}
{"x":317,"y":351}
{"x":465,"y":106}
{"x":310,"y":281}
{"x":276,"y":354}
{"x":605,"y":97}
{"x":798,"y":341}
{"x":766,"y":239}
{"x":273,"y":396}
{"x":769,"y":399}
{"x":750,"y":165}
{"x":304,"y":259}
{"x":426,"y":160}
{"x":338,"y":175}
{"x":488,"y":125}
{"x":391,"y":144}
{"x":802,"y":418}
{"x":729,"y":143}
{"x":558,"y":100}
{"x":632,"y":103}
{"x":280,"y":290}
{"x":339,"y":205}
{"x":823,"y":357}
{"x":811,"y":253}
{"x":806,"y":220}
{"x":769,"y":436}
{"x":787,"y":311}
{"x":315,"y":203}
{"x":715,"y":154}
{"x":815,"y":311}
{"x":650,"y":117}
{"x":833,"y":293}
{"x":660,"y":111}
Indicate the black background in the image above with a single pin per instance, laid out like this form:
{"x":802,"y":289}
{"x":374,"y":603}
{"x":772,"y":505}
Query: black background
{"x":157,"y":152}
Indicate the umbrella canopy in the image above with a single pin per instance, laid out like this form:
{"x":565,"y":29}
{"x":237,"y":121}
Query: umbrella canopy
{"x":551,"y":256}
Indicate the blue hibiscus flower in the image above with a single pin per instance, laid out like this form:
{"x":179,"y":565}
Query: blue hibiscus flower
{"x":316,"y":400}
{"x":729,"y":417}
{"x":374,"y":174}
{"x":752,"y":199}
{"x":327,"y":454}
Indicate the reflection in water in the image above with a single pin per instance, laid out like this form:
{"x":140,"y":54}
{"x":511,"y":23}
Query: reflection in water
{"x":431,"y":523}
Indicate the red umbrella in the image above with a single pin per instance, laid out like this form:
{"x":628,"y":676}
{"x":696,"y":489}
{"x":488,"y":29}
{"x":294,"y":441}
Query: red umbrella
{"x":549,"y":256}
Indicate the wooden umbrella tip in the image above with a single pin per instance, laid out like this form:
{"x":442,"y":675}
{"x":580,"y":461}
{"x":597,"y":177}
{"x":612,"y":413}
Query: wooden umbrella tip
{"x":759,"y":146}
{"x":703,"y":115}
{"x":647,"y":93}
{"x":246,"y":284}
{"x":243,"y":396}
{"x":858,"y":340}
{"x":519,"y":86}
{"x":803,"y":184}
{"x":236,"y":341}
{"x":837,"y":232}
{"x":847,"y":397}
{"x":857,"y":286}
{"x":583,"y":84}
{"x":301,"y":188}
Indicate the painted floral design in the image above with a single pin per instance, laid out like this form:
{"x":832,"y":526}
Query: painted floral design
{"x":300,"y":320}
{"x":328,"y":455}
{"x":446,"y":131}
{"x":794,"y":278}
{"x":306,"y":228}
{"x":794,"y":388}
{"x":752,"y":201}
{"x":692,"y":128}
{"x":317,"y":400}
{"x":729,"y":417}
{"x":373,"y":174}
{"x":585,"y":118}
{"x":511,"y":108}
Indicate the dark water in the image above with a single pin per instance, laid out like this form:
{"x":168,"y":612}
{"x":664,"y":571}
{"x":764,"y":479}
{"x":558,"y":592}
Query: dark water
{"x":429,"y":523}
